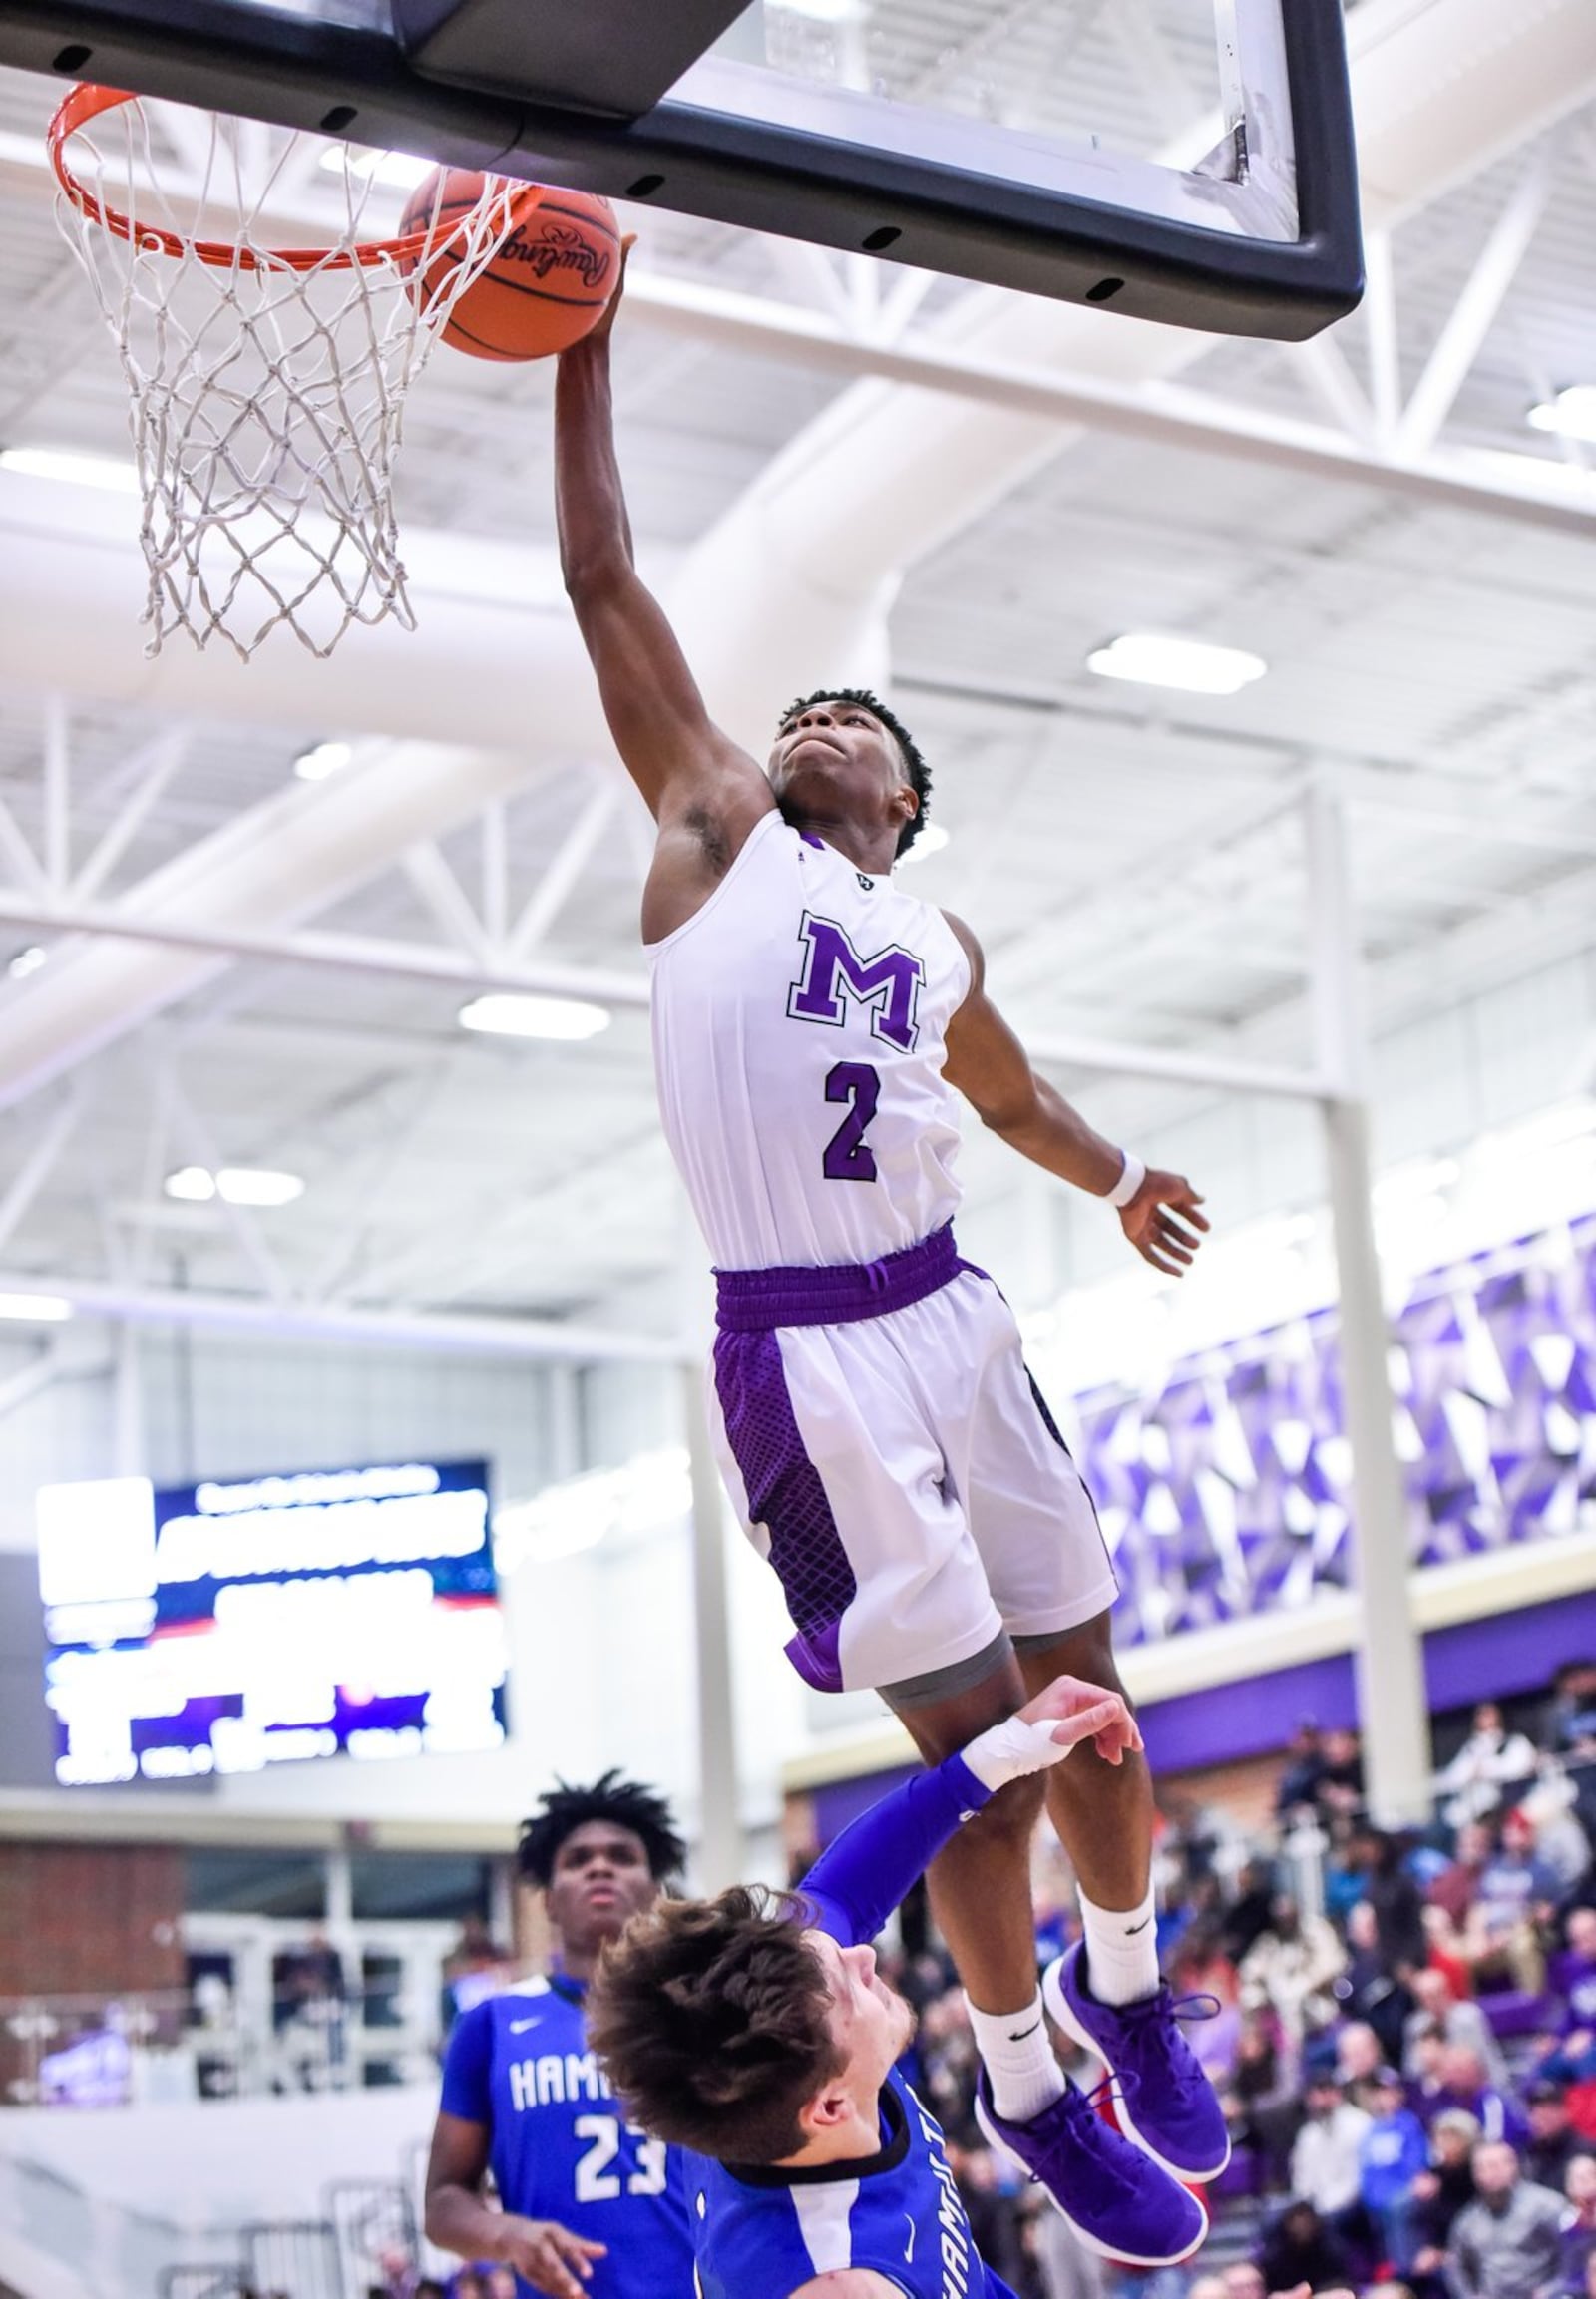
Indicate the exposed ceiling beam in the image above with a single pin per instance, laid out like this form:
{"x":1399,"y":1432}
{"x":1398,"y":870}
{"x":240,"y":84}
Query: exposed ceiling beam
{"x":1534,"y":489}
{"x":544,"y":1340}
{"x":1472,"y":316}
{"x":364,"y":954}
{"x":344,"y":952}
{"x":1052,"y":1048}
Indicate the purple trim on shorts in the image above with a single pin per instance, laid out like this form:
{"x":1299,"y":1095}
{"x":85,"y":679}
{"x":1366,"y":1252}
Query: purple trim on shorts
{"x":786,"y":1496}
{"x":837,"y":1292}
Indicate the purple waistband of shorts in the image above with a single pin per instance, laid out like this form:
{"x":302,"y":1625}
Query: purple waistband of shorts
{"x":837,"y":1293}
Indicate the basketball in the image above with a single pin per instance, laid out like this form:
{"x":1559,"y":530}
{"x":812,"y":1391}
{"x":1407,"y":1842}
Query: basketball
{"x":550,"y":277}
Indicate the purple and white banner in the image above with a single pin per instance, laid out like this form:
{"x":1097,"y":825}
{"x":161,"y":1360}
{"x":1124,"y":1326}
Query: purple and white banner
{"x":1227,"y":1492}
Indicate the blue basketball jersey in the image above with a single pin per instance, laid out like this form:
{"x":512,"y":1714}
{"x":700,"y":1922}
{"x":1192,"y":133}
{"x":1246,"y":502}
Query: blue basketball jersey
{"x":562,"y":2148}
{"x":760,"y":2233}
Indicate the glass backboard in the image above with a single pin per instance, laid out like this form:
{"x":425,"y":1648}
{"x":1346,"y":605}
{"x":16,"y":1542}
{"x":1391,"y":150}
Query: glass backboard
{"x":1185,"y":161}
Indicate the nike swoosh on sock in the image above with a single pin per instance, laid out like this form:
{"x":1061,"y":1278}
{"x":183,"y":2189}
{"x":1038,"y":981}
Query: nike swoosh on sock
{"x":1132,"y":1929}
{"x":1019,"y":2035}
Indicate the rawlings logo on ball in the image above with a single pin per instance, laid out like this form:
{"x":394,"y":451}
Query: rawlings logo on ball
{"x":542,"y":288}
{"x":560,"y":250}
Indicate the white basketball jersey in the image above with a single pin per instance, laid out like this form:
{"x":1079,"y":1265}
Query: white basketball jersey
{"x":799,"y":1020}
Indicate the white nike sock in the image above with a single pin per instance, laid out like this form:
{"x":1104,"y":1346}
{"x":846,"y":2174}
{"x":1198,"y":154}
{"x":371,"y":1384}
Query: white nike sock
{"x":1122,"y":1950}
{"x":1017,"y":2053}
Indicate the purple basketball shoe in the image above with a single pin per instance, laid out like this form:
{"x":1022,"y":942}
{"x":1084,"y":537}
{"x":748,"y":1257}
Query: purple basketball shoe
{"x":1116,"y":2198}
{"x":1166,"y":2104}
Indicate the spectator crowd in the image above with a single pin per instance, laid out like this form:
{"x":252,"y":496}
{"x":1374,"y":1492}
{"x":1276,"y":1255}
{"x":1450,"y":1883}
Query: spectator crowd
{"x":1402,"y":2030}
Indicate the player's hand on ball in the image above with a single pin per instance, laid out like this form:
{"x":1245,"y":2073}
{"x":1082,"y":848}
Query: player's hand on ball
{"x":1081,"y":1712}
{"x":601,"y":330}
{"x":1162,"y":1222}
{"x":547,"y":2256}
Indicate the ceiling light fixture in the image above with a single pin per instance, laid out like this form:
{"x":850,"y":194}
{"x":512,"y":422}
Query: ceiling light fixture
{"x":324,"y":758}
{"x":195,"y":1185}
{"x":1571,"y":415}
{"x":35,"y":1309}
{"x":63,"y":463}
{"x":1149,"y":658}
{"x":236,"y":1185}
{"x":258,"y":1186}
{"x":504,"y":1013}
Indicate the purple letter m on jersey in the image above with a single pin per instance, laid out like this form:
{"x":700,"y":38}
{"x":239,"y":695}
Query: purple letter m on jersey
{"x":834,"y":970}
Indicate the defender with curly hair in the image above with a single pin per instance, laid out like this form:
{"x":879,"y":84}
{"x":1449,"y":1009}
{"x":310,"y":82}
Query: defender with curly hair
{"x":592,"y":2203}
{"x":755,"y":2031}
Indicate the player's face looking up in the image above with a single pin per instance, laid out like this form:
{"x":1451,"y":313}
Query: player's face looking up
{"x":600,"y":1877}
{"x":869,"y":2022}
{"x":835,"y":761}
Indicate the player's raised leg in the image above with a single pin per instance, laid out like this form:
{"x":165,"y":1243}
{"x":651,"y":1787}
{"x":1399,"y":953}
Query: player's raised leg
{"x":756,"y":2031}
{"x":1113,"y":2195}
{"x":980,"y":1887}
{"x":1108,"y":1992}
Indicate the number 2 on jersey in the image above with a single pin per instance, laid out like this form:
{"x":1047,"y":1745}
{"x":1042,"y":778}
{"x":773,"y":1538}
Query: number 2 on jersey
{"x":848,"y":1156}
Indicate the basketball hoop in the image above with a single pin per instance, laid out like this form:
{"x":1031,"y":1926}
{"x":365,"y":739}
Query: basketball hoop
{"x":268,"y":383}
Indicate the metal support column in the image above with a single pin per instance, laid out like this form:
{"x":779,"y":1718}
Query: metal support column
{"x":126,"y":1390}
{"x":1388,"y":1661}
{"x":720,"y":1844}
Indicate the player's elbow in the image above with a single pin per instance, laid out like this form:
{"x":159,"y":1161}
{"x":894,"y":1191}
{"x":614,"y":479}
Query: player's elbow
{"x":438,"y":2214}
{"x":1014,"y":1120}
{"x":594,"y":574}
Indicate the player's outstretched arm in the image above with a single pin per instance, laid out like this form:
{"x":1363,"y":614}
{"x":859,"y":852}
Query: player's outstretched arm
{"x":551,"y":2258}
{"x":672,"y":751}
{"x":1163,"y":1218}
{"x":858,"y":1881}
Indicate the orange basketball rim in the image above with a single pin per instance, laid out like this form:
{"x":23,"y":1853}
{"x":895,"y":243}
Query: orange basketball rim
{"x":87,"y":102}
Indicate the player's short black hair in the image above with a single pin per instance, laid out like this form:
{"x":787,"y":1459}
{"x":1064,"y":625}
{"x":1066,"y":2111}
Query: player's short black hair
{"x":917,"y":772}
{"x":625,"y":1804}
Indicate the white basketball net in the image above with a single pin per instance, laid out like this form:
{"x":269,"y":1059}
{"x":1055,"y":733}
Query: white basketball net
{"x":268,"y":388}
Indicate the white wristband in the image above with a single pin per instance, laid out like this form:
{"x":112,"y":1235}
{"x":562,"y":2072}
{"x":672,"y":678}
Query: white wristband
{"x":1130,"y":1180}
{"x":1007,"y":1751}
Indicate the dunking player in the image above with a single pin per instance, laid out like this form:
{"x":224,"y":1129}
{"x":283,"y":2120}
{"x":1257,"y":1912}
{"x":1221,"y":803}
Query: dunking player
{"x":591,"y":2203}
{"x":876,"y":1426}
{"x":754,"y":2031}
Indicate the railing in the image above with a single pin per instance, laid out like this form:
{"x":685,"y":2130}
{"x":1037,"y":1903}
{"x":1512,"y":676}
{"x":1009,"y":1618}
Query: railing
{"x":98,"y":2049}
{"x":89,"y":2248}
{"x":221,"y":2283}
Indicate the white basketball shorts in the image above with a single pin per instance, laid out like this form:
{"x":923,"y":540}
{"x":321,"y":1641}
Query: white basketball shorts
{"x":904,"y":1479}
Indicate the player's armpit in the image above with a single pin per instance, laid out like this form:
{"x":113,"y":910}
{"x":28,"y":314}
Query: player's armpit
{"x":668,"y":743}
{"x":847,"y":2283}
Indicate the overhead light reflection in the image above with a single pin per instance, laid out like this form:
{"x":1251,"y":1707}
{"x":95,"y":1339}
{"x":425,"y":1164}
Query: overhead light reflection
{"x":1149,"y":658}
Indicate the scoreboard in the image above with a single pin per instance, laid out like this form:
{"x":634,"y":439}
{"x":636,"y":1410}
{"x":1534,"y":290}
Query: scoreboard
{"x":227,"y":1626}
